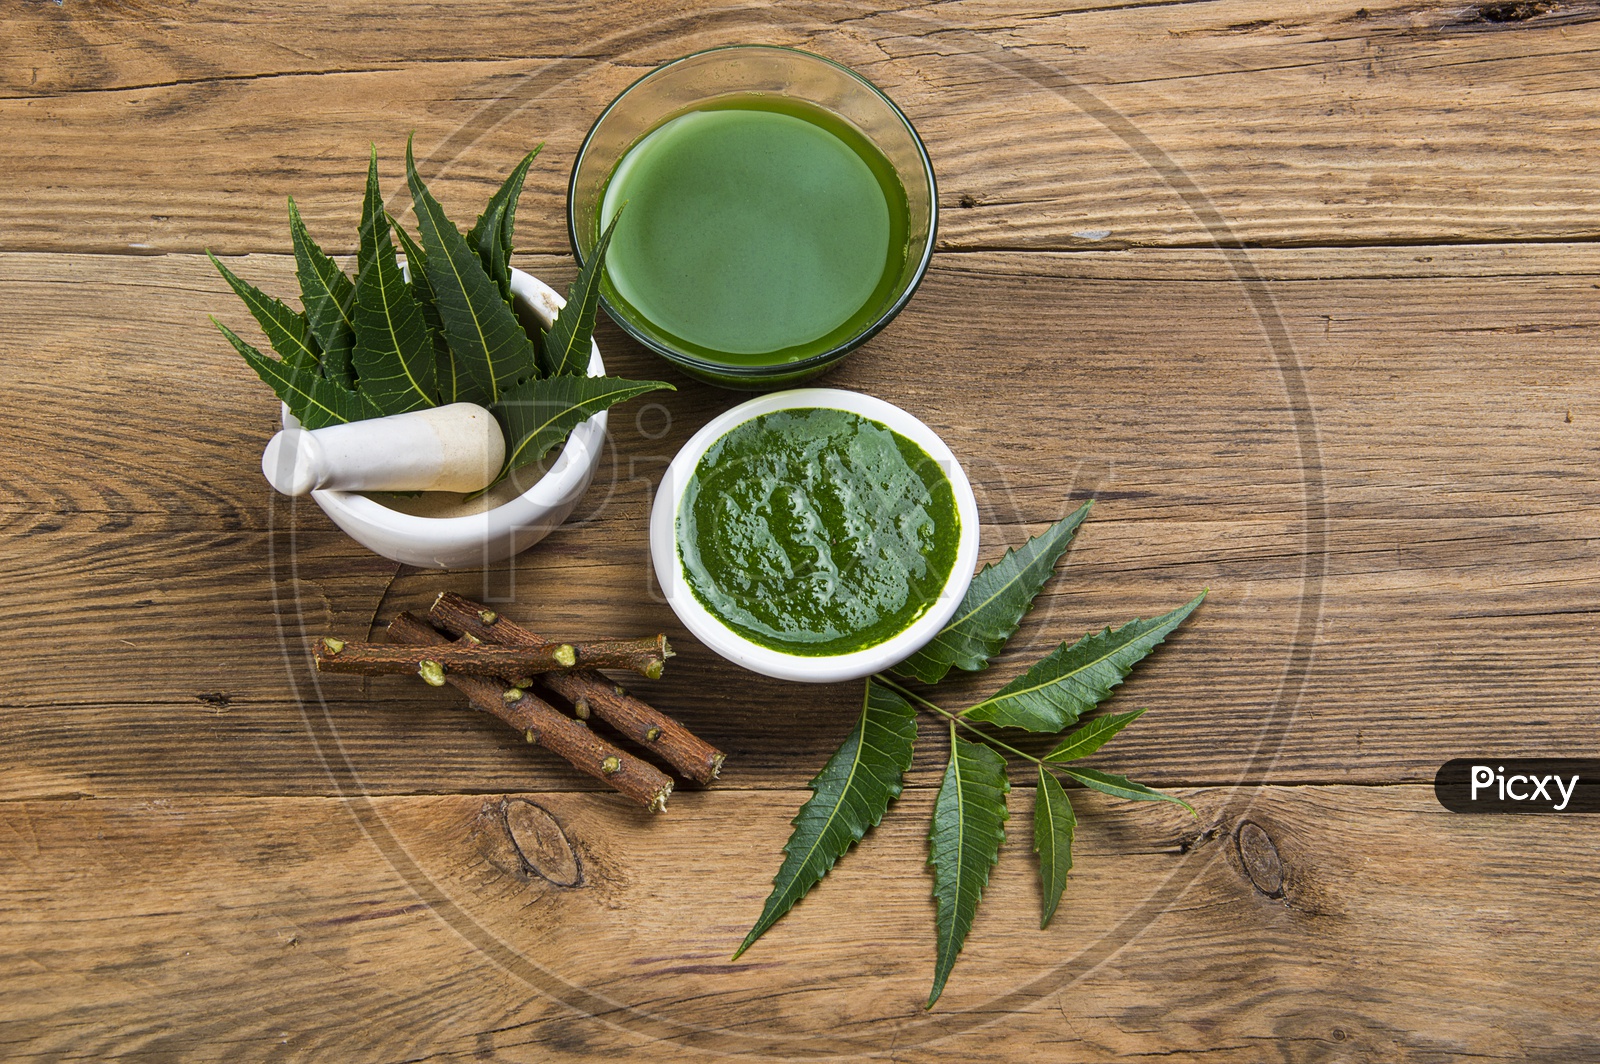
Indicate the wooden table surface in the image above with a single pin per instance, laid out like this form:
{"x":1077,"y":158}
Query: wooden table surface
{"x":1305,"y":296}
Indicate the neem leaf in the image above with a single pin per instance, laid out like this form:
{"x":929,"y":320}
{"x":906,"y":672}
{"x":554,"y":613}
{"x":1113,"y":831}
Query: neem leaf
{"x":492,"y":351}
{"x":853,"y":791}
{"x":494,"y":255}
{"x":994,"y":605}
{"x":315,"y":400}
{"x":371,"y":208}
{"x":963,"y":844}
{"x":508,"y":218}
{"x":1053,"y":825}
{"x":416,"y":261}
{"x":539,"y":413}
{"x":1121,"y":787}
{"x":285,"y":329}
{"x":1092,"y":736}
{"x":491,"y":235}
{"x":566,"y":345}
{"x":393,"y":355}
{"x":1071,"y":681}
{"x":422,"y":292}
{"x":328,"y":297}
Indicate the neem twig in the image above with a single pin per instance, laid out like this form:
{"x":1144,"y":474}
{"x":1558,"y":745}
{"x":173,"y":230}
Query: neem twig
{"x":644,"y":656}
{"x":588,"y":691}
{"x":541,"y":723}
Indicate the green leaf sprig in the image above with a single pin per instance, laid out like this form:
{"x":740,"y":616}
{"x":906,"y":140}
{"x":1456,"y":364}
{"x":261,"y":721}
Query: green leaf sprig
{"x":854,"y":790}
{"x":387,"y":343}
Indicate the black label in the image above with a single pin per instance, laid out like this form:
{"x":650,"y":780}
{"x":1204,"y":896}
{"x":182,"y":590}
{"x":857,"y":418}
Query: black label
{"x":1519,"y":785}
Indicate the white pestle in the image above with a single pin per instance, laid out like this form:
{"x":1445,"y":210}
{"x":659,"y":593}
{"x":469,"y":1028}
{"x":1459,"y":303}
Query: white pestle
{"x":448,"y":448}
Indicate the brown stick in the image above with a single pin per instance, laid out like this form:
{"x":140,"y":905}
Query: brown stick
{"x":644,"y":656}
{"x":589,"y":691}
{"x":539,"y":722}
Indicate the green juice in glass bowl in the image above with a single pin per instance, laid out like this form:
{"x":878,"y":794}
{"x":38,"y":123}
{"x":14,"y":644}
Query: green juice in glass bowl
{"x":774,"y":211}
{"x":758,"y":230}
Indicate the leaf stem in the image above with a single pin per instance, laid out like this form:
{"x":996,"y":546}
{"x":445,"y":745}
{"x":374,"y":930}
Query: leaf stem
{"x":954,"y":718}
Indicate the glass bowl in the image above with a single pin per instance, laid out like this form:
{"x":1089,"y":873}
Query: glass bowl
{"x":742,"y":71}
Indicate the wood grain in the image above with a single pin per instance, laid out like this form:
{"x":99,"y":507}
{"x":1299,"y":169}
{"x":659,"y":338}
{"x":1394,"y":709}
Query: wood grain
{"x":1458,"y":337}
{"x":290,"y":911}
{"x":1455,"y":580}
{"x":1306,"y":297}
{"x":1297,"y":123}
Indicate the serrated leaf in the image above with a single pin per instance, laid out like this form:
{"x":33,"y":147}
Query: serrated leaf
{"x":371,"y":212}
{"x":328,"y":298}
{"x":315,"y":400}
{"x":285,"y":328}
{"x":995,"y":603}
{"x":416,"y":270}
{"x":963,"y":844}
{"x":393,"y":355}
{"x":1053,"y":825}
{"x":491,"y":234}
{"x":1071,"y":681}
{"x":1122,"y":787}
{"x":1092,"y":736}
{"x":566,"y":345}
{"x":416,"y":261}
{"x":494,"y":255}
{"x":852,"y":792}
{"x":539,"y":413}
{"x":492,"y":352}
{"x":508,"y":220}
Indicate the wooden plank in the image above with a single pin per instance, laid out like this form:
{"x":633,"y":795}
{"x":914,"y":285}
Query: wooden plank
{"x":52,"y":51}
{"x":1373,"y":442}
{"x":1458,"y":580}
{"x":1266,"y":121}
{"x":1134,"y":345}
{"x":1466,"y":639}
{"x":558,"y":927}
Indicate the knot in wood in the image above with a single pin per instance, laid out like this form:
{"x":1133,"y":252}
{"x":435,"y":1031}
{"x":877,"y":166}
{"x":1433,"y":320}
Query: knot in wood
{"x":541,"y":844}
{"x":1513,"y":12}
{"x":1259,"y":857}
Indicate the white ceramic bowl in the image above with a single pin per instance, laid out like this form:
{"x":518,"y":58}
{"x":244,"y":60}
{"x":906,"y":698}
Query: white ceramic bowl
{"x":505,"y":521}
{"x":735,"y":647}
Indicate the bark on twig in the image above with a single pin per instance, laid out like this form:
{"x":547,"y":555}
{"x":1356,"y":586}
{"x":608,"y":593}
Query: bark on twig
{"x":644,"y":656}
{"x":589,"y":692}
{"x":541,"y":723}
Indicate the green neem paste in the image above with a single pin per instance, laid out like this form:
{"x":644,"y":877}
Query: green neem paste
{"x":817,"y":532}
